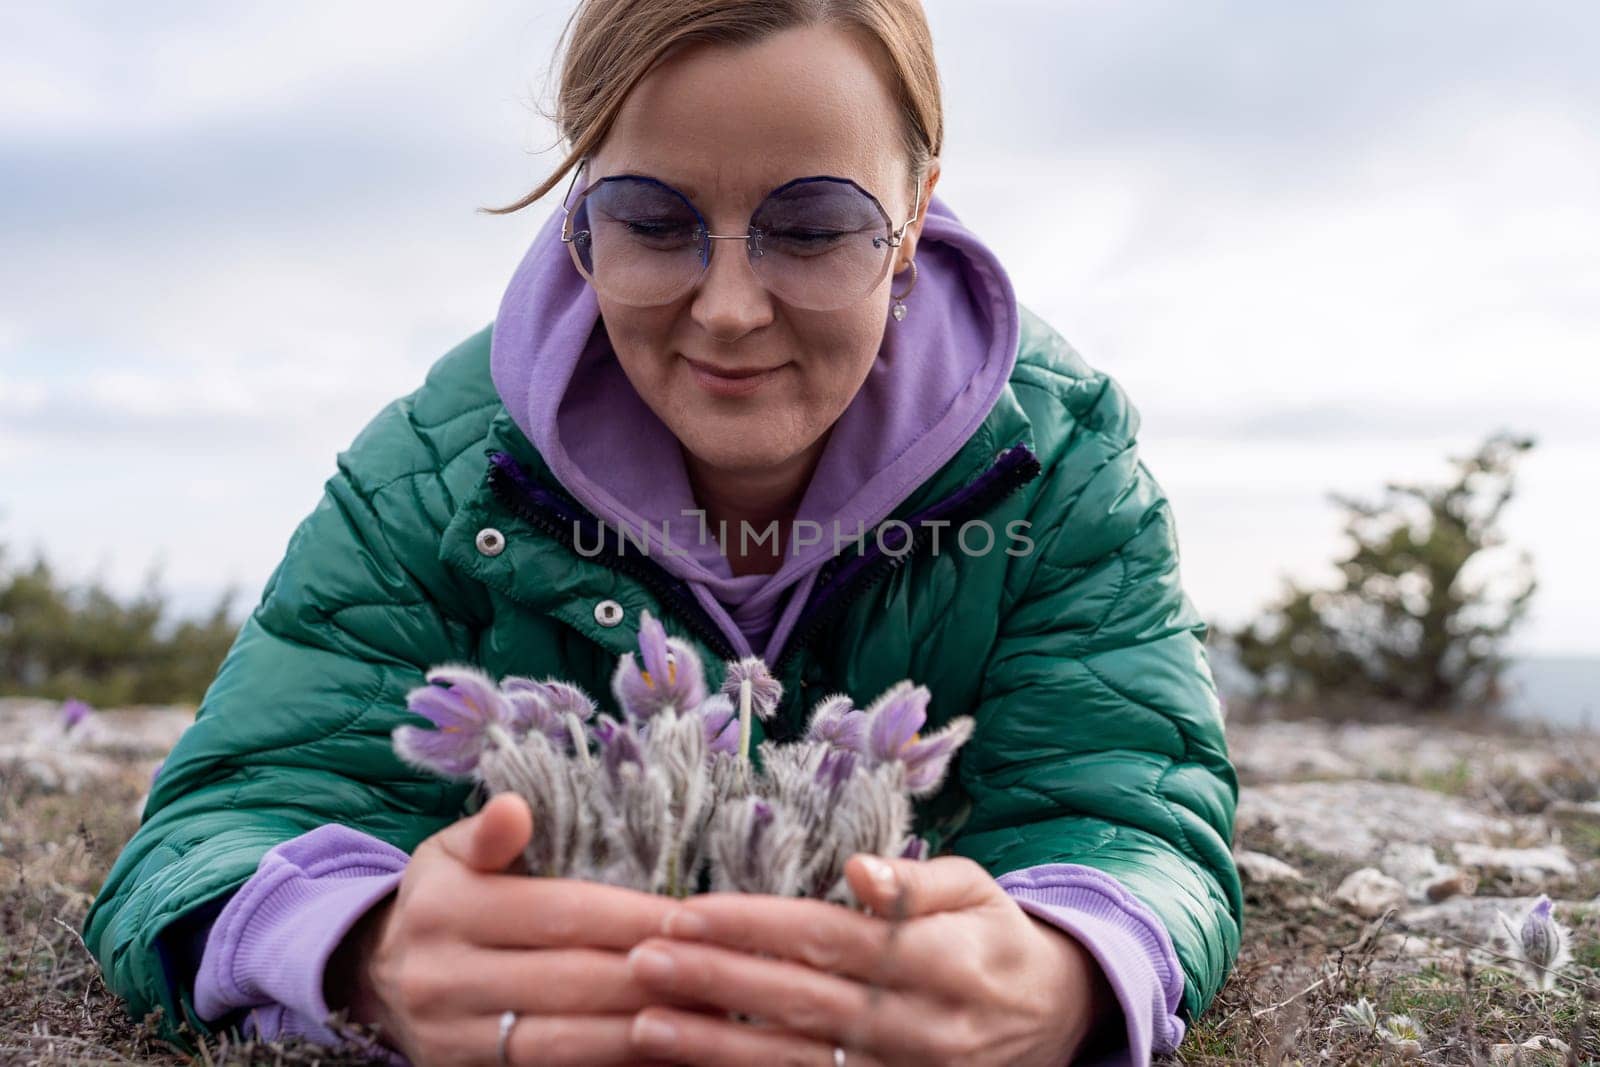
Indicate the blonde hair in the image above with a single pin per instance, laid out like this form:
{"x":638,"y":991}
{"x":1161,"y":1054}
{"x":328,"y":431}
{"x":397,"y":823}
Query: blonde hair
{"x":614,"y":43}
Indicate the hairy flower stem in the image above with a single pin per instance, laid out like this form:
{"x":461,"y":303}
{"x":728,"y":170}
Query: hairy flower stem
{"x":580,"y":741}
{"x":502,"y":740}
{"x":673,"y":889}
{"x":745,"y":696}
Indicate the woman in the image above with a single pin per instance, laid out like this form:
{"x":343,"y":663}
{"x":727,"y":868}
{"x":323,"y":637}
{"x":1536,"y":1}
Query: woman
{"x":857,"y":362}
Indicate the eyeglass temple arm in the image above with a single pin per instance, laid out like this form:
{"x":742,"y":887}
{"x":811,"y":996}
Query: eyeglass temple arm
{"x":916,"y":210}
{"x":568,"y":194}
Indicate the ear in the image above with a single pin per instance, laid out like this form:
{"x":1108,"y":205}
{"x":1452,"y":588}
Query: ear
{"x":913,"y":234}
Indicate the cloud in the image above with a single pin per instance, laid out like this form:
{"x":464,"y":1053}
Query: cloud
{"x":1321,"y":247}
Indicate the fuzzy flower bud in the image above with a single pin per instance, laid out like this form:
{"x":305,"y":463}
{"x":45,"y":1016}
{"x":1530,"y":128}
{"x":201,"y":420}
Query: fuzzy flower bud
{"x":668,"y":674}
{"x":466,"y":712}
{"x":1539,"y":942}
{"x":73,"y":712}
{"x":766,"y":692}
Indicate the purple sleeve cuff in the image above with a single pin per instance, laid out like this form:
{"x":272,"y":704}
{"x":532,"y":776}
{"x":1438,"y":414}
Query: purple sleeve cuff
{"x":269,"y":947}
{"x":1128,"y":941}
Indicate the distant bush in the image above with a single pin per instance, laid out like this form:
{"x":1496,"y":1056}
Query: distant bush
{"x":58,"y":642}
{"x":1419,"y":619}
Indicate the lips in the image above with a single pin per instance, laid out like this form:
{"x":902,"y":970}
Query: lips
{"x":729,"y":372}
{"x":731,"y":381}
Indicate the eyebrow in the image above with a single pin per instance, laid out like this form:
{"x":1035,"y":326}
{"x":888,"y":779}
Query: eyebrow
{"x":694,"y":195}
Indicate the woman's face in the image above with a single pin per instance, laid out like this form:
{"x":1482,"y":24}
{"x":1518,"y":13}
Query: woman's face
{"x":724,"y":126}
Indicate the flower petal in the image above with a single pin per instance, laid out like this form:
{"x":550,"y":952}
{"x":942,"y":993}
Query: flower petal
{"x":896,"y":716}
{"x":452,"y":755}
{"x":927,"y":759}
{"x":836,"y":721}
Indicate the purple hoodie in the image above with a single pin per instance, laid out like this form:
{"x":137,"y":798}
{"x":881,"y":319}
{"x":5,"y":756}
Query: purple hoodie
{"x":937,"y":375}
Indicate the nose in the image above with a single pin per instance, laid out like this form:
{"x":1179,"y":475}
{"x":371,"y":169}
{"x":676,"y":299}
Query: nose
{"x":730,"y":300}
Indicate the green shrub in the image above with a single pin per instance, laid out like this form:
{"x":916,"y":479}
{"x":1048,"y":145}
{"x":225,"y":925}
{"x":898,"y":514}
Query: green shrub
{"x":1420,"y":617}
{"x":57,"y":641}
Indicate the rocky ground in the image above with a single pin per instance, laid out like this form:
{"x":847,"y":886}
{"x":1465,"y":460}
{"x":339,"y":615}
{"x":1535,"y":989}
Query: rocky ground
{"x":1377,"y":861}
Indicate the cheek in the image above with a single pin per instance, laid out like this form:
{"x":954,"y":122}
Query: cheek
{"x":838,"y":360}
{"x":639,"y":338}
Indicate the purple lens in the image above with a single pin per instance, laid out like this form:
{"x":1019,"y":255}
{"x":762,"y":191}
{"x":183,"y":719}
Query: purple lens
{"x":822,"y":243}
{"x":638,"y":240}
{"x":817,"y":243}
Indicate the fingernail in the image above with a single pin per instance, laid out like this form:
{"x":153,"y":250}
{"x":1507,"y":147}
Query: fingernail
{"x":684,"y":923}
{"x":654,"y":1033}
{"x":651,"y":964}
{"x":881,"y":873}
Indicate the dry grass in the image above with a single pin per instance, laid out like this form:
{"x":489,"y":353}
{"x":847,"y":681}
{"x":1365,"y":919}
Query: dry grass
{"x":1300,"y":962}
{"x":55,"y":1010}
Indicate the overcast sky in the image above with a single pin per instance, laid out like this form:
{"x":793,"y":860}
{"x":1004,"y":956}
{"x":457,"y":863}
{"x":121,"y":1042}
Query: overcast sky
{"x":1321,"y":246}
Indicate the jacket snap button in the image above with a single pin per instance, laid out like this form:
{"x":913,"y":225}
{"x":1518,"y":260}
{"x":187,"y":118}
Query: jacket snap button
{"x":491,"y":542}
{"x":608,"y":613}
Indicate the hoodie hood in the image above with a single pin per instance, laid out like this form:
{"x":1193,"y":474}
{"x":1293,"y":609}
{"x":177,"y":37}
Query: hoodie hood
{"x":937,"y":374}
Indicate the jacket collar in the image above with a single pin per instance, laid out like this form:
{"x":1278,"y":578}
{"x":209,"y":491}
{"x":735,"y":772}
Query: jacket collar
{"x":534,"y":567}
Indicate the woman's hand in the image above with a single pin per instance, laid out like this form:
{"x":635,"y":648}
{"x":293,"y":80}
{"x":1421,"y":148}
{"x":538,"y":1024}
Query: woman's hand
{"x":461,"y":941}
{"x":968,"y":977}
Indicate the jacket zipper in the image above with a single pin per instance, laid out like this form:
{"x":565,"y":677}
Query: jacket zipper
{"x":1015,"y":468}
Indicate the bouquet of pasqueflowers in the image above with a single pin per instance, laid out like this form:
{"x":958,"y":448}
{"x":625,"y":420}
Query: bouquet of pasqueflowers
{"x":667,"y":800}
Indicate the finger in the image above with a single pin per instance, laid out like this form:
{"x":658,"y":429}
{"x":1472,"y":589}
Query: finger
{"x":897,"y":888}
{"x":516,"y":911}
{"x":494,"y":837}
{"x":564,"y":1040}
{"x":820,"y":935}
{"x":791,"y":995}
{"x":708,"y":1041}
{"x":569,"y":981}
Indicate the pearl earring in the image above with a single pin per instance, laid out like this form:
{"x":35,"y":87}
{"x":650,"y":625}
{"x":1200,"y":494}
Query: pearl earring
{"x":899,"y":310}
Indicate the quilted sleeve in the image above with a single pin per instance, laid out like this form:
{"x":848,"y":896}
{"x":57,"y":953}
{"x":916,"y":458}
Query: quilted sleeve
{"x":294,"y":731}
{"x":1099,"y":735}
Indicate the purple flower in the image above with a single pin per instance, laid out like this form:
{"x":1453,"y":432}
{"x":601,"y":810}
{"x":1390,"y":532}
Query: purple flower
{"x":721,"y":721}
{"x":1539,"y":942}
{"x":892,"y":736}
{"x":464,"y":713}
{"x":73,"y":712}
{"x":530,"y":708}
{"x":836,"y":767}
{"x":565,"y":698}
{"x":916,"y":848}
{"x":836,"y":721}
{"x":619,"y":745}
{"x":671,"y":675}
{"x":544,"y":706}
{"x":765,"y":690}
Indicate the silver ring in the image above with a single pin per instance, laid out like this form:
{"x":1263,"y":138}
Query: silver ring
{"x":838,"y":1056}
{"x":508,"y":1019}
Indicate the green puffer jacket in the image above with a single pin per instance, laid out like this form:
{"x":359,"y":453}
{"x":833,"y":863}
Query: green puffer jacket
{"x":1099,"y":737}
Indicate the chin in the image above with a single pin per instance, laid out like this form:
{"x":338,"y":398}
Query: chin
{"x":736,"y":451}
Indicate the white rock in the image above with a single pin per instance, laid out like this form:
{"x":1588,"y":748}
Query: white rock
{"x":1355,"y":820}
{"x":1509,"y":1054}
{"x":1535,"y":865}
{"x":1370,"y":892}
{"x":1418,"y":869}
{"x":1260,"y":867}
{"x":52,"y":769}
